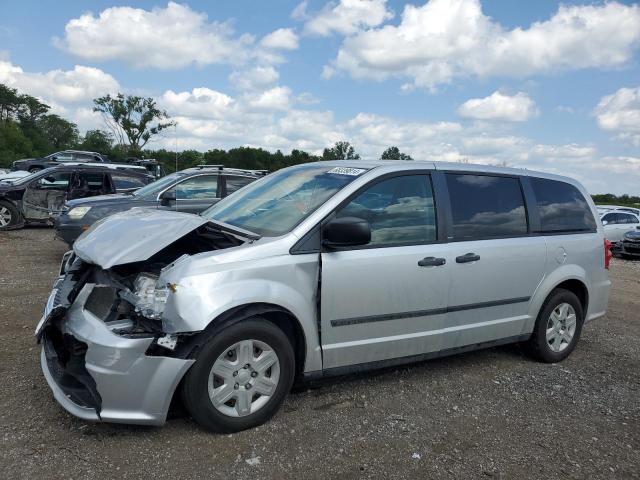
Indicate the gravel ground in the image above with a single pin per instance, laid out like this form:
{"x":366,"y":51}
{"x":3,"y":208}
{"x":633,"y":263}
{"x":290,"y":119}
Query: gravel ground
{"x":488,"y":414}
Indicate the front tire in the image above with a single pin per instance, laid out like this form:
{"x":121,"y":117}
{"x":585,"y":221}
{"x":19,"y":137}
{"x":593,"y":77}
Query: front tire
{"x":34,"y":169}
{"x":9,"y":216}
{"x":557,"y":328}
{"x":241,"y":376}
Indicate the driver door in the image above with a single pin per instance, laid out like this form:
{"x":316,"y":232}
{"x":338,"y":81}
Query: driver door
{"x":387,"y":299}
{"x":45,"y":195}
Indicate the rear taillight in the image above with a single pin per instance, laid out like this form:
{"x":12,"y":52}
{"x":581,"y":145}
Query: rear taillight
{"x":607,"y":253}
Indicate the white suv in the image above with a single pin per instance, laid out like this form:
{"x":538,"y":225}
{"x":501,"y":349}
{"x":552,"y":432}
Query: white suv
{"x":315,"y":270}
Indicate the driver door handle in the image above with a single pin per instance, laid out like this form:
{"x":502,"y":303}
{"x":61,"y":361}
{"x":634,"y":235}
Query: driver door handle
{"x":468,"y":257}
{"x":431,"y":262}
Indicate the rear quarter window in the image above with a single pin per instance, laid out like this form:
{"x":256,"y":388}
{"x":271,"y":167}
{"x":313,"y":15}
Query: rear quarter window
{"x":562,"y":207}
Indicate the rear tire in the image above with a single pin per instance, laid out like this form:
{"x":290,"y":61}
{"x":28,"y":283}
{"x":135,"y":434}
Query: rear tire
{"x":557,"y":328}
{"x":247,"y":369}
{"x":10,"y":217}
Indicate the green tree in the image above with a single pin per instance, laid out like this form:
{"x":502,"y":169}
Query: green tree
{"x":13,"y":143}
{"x":59,"y":132}
{"x":97,"y":141}
{"x":394,"y":153}
{"x":340,"y":151}
{"x":131,"y":119}
{"x":9,"y":102}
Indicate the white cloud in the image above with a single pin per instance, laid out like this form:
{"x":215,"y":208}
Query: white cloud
{"x":170,"y":37}
{"x":620,"y":113}
{"x":59,"y":86}
{"x":199,"y":103}
{"x":281,"y":39}
{"x":345,"y":17}
{"x":254,"y":78}
{"x":445,"y":39}
{"x":276,"y":98}
{"x":499,"y":106}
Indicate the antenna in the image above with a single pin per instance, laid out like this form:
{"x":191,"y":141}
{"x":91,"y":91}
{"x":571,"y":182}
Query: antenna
{"x":175,"y":137}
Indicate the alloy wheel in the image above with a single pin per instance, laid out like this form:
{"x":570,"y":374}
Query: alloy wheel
{"x":5,"y":217}
{"x":243,"y":378}
{"x":561,"y":327}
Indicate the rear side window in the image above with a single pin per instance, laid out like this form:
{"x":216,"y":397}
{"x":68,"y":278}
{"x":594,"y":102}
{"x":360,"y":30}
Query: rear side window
{"x":484,"y":206}
{"x":562,"y":207}
{"x":125,"y":182}
{"x":236,"y":183}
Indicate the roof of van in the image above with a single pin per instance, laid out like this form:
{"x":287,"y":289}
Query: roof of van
{"x":438,"y":165}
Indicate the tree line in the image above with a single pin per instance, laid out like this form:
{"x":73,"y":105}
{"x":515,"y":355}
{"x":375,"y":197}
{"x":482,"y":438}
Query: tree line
{"x":28,"y":129}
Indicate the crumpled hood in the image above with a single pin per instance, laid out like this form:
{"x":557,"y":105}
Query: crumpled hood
{"x":133,"y":236}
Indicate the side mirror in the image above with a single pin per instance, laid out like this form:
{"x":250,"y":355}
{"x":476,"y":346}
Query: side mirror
{"x":604,"y":222}
{"x":168,"y":197}
{"x":346,"y":232}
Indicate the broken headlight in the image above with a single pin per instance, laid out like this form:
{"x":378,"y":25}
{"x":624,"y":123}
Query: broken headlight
{"x":151,"y":295}
{"x":77,"y":213}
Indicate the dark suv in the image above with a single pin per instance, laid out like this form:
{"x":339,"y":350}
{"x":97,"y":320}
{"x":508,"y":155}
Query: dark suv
{"x":192,"y":190}
{"x":38,"y":197}
{"x":53,"y":159}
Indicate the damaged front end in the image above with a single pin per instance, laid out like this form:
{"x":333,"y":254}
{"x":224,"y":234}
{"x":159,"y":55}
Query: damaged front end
{"x":105,"y":353}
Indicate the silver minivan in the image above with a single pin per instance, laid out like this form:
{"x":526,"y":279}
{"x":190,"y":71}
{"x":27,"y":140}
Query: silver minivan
{"x":316,"y":270}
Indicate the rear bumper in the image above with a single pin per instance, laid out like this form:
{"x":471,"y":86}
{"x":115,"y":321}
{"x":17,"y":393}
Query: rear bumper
{"x":121,"y":383}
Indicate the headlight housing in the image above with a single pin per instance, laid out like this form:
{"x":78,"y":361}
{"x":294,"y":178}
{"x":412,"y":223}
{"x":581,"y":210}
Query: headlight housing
{"x":76,"y":213}
{"x":151,"y":295}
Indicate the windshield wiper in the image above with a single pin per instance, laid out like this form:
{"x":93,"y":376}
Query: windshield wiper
{"x":233,"y":229}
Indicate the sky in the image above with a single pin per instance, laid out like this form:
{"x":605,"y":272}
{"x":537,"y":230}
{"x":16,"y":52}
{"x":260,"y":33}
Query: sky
{"x":540,"y":85}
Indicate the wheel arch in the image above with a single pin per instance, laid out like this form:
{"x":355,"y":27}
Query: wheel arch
{"x":569,"y":277}
{"x":276,"y":314}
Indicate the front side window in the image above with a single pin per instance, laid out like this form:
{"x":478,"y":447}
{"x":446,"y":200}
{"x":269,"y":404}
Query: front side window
{"x":399,"y":210}
{"x":196,"y":188}
{"x":92,"y":181}
{"x":275,"y":204}
{"x":562,"y":207}
{"x":54,"y":181}
{"x":626,"y":218}
{"x":610,"y":218}
{"x":63,"y":157}
{"x":485,"y":206}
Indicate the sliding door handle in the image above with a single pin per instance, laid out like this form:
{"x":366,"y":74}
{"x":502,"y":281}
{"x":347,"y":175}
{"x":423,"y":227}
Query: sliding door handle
{"x":468,"y":257}
{"x":431,"y":262}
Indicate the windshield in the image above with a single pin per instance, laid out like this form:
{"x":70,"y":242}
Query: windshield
{"x":159,"y":185}
{"x":275,"y":204}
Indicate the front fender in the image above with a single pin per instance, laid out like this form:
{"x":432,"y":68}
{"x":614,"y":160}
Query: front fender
{"x":199,"y":300}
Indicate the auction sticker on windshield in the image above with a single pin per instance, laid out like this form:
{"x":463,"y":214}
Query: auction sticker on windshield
{"x":354,"y":172}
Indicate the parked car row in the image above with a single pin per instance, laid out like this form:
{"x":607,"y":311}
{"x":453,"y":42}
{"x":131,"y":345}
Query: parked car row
{"x":191,"y":191}
{"x":37,"y":197}
{"x":315,"y":270}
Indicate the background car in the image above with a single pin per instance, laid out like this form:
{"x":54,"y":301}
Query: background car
{"x":617,"y":222}
{"x":35,"y":164}
{"x":191,"y":190}
{"x":13,"y":175}
{"x":38,"y":197}
{"x":151,"y":164}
